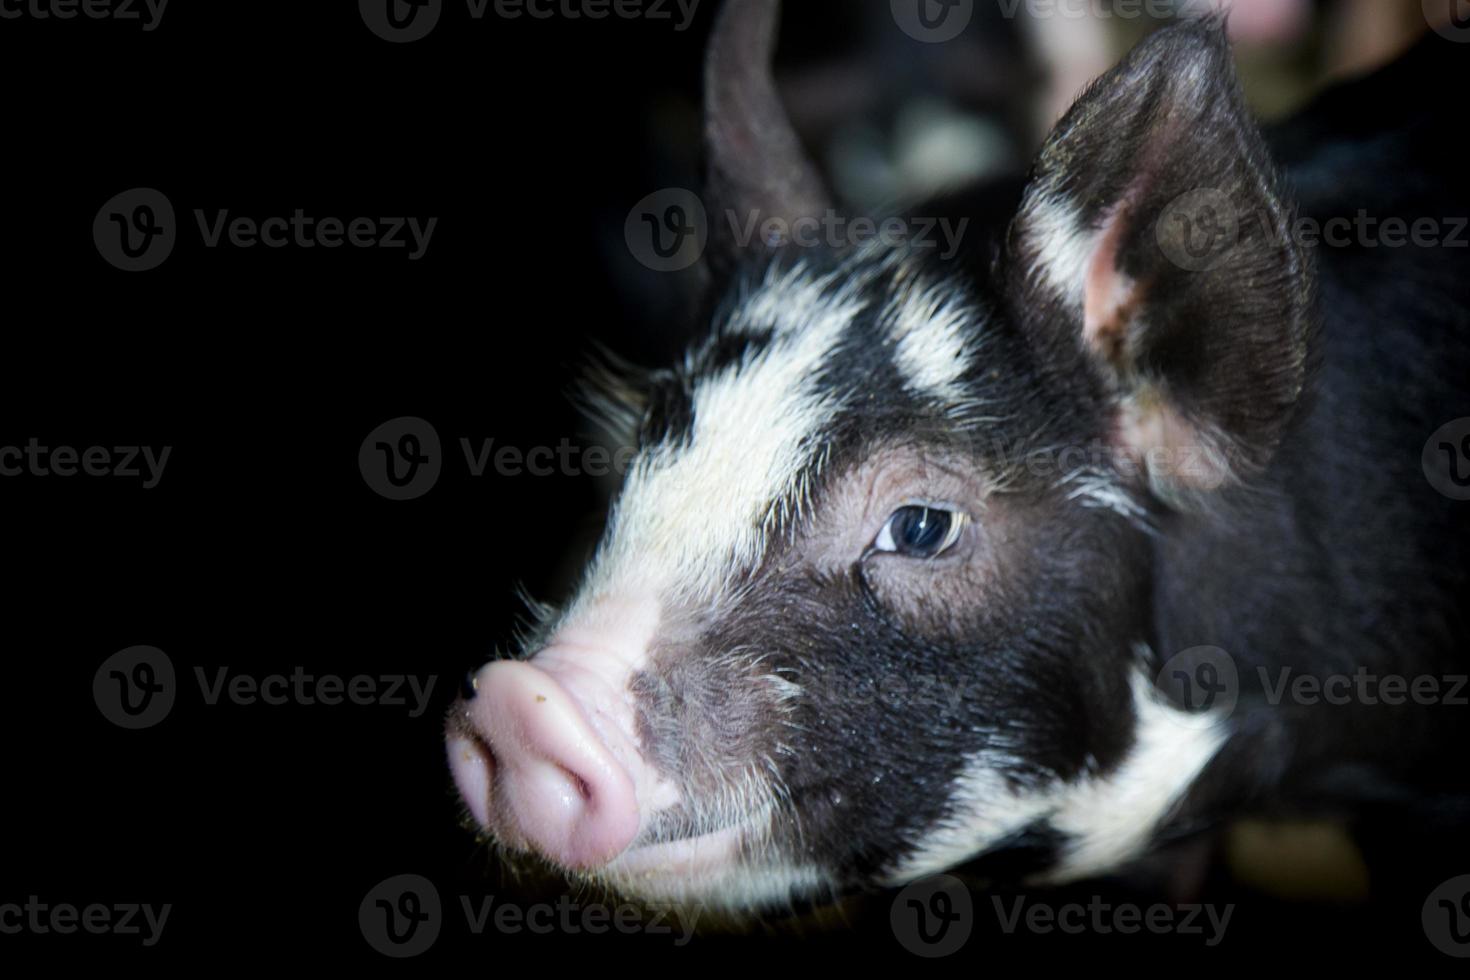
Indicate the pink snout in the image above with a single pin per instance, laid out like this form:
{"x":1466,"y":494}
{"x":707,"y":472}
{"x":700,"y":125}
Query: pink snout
{"x":532,"y":768}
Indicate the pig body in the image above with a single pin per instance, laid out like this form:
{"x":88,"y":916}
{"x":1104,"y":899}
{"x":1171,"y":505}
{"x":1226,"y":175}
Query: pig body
{"x":926,"y":560}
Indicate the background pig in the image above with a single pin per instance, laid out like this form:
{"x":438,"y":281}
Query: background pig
{"x":910,"y":538}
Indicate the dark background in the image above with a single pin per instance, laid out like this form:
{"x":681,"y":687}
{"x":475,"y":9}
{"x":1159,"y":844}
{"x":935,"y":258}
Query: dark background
{"x":263,"y":550}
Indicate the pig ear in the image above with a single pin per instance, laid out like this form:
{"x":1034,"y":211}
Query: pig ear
{"x":1154,"y":246}
{"x":757,"y":169}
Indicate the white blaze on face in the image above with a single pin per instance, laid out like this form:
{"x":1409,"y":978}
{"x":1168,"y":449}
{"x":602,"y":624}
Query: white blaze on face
{"x":691,"y":515}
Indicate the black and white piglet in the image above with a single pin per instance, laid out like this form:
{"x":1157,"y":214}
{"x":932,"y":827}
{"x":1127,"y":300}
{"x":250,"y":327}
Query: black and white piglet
{"x":910,"y":539}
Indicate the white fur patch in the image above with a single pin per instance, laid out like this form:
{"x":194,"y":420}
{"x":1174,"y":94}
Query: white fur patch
{"x":1062,"y":244}
{"x":932,"y":330}
{"x":1110,"y":818}
{"x":691,"y":515}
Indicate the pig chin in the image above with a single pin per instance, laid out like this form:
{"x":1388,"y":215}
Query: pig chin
{"x":726,"y":869}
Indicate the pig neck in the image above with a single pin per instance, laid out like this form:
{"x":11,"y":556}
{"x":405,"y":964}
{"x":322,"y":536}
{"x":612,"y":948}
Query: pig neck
{"x":1302,"y":578}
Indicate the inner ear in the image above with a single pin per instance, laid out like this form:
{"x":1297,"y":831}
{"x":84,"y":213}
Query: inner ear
{"x":1110,"y":296}
{"x":1151,"y":427}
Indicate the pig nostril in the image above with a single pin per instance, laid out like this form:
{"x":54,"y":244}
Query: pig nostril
{"x":583,"y":789}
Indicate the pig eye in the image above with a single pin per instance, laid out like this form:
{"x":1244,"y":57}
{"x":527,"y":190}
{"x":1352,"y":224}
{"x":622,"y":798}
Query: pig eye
{"x":920,"y":532}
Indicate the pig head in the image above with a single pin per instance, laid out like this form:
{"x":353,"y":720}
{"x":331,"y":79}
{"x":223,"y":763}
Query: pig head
{"x":874,"y":598}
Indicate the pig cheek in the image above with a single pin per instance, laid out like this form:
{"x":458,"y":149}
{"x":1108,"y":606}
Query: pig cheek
{"x":708,"y":720}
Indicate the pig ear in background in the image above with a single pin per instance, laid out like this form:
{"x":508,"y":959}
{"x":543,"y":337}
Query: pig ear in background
{"x":1154,"y":246}
{"x":757,"y":169}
